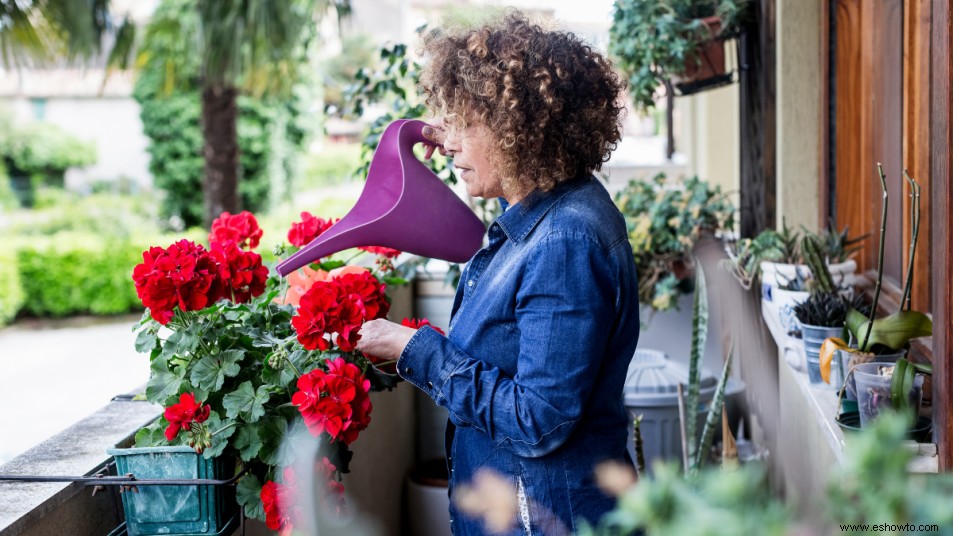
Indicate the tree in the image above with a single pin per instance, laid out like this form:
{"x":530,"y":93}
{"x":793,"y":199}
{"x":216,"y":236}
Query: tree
{"x":250,"y":45}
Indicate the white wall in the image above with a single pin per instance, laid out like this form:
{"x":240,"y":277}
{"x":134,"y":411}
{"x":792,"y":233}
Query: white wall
{"x":111,"y":123}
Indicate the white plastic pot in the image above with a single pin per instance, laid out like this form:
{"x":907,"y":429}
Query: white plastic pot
{"x":776,"y":275}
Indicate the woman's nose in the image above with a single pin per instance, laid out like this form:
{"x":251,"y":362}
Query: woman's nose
{"x":452,"y":142}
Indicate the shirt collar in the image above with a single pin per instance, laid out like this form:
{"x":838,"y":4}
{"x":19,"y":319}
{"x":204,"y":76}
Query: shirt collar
{"x":520,"y":219}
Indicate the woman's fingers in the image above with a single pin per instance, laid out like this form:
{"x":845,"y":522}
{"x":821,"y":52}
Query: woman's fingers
{"x":384,"y":339}
{"x":436,"y":135}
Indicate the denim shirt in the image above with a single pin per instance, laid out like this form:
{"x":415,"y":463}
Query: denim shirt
{"x":544,"y":324}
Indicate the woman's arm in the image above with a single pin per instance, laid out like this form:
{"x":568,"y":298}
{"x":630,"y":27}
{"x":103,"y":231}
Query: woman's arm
{"x":566,"y":311}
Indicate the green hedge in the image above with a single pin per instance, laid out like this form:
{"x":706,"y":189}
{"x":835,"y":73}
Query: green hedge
{"x":11,"y":293}
{"x":77,"y":273}
{"x":69,"y":274}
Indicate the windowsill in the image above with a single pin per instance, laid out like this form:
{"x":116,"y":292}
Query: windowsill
{"x":820,"y":402}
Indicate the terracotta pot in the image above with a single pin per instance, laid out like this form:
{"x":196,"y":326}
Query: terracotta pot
{"x":709,"y":60}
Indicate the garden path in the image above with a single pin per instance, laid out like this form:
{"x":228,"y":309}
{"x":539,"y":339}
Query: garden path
{"x":54,"y":373}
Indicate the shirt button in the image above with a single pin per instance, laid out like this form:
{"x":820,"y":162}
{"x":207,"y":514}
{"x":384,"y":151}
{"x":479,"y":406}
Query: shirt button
{"x":470,"y":283}
{"x":430,"y":385}
{"x":408,"y":371}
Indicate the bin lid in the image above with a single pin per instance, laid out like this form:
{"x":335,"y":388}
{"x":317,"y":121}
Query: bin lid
{"x":653,"y":378}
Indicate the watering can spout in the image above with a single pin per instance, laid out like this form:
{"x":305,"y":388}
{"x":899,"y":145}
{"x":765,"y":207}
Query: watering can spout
{"x":403,"y":206}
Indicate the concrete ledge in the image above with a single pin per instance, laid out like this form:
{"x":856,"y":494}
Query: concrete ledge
{"x":33,"y":508}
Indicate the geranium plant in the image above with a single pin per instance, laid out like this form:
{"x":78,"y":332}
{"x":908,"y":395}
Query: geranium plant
{"x":243,"y":360}
{"x":665,"y":221}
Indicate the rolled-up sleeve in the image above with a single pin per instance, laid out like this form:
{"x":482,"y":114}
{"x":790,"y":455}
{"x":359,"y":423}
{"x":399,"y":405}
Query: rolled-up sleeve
{"x":565,"y":310}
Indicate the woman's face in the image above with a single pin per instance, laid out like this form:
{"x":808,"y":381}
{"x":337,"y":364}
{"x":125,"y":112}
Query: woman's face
{"x":471,"y":147}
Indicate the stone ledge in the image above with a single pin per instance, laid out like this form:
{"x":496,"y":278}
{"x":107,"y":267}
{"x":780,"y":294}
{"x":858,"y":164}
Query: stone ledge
{"x":78,"y":450}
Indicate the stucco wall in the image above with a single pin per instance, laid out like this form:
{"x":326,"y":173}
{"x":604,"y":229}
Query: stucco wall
{"x":799,"y":111}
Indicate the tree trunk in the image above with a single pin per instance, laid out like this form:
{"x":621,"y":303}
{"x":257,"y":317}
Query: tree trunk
{"x":220,"y":149}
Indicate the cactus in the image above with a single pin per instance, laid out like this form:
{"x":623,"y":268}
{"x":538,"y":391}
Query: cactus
{"x":823,"y":282}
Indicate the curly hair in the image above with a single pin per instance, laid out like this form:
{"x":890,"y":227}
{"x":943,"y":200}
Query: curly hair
{"x":553,"y":102}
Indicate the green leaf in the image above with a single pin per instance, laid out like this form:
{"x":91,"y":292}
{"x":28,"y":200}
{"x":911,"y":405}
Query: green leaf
{"x":248,"y":493}
{"x":281,"y":441}
{"x":245,"y":402}
{"x":893,"y":331}
{"x":699,"y":338}
{"x":151,"y":436}
{"x":210,"y":372}
{"x":247,"y":442}
{"x":272,"y":432}
{"x":162,"y":383}
{"x":146,"y":340}
{"x":221,"y":429}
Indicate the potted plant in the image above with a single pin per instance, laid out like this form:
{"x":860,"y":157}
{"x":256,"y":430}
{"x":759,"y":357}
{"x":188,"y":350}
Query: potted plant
{"x":244,"y":362}
{"x":887,"y":337}
{"x":884,"y":339}
{"x":665,"y":221}
{"x":776,"y":259}
{"x":671,"y":41}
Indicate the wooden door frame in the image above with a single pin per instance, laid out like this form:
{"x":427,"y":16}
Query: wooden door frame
{"x":941,"y":171}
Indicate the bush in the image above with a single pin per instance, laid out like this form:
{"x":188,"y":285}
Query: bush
{"x":73,"y":273}
{"x":81,"y":273}
{"x":11,"y":293}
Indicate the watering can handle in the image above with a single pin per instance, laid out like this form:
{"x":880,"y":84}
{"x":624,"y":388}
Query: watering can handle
{"x":411,"y":134}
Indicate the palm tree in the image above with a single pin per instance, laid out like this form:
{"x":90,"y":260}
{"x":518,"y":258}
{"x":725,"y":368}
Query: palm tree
{"x":40,"y":32}
{"x":249,"y":43}
{"x":252,"y":45}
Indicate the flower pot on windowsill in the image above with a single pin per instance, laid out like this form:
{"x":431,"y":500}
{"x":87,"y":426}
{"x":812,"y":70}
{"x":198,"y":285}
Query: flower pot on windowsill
{"x":873,"y":392}
{"x":206,"y":509}
{"x":776,"y":275}
{"x":813,"y":339}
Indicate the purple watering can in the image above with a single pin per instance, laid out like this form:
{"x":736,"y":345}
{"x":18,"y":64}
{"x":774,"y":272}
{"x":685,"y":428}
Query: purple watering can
{"x":403,"y":206}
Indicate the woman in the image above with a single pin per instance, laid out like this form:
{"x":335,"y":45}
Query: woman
{"x":545,"y":318}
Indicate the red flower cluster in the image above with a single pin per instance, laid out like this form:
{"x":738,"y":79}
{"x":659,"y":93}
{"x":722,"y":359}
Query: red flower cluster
{"x":183,"y":275}
{"x":335,"y":401}
{"x":381,"y":251}
{"x":417,"y":324}
{"x":309,"y":228}
{"x":241,"y":275}
{"x":183,"y":414}
{"x":335,"y":310}
{"x":240,"y":229}
{"x":279,"y":502}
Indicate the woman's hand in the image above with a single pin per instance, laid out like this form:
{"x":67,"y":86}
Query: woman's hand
{"x":384,"y":339}
{"x":435,"y":132}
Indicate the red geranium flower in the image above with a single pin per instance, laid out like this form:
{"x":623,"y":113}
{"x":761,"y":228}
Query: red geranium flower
{"x":281,"y":511}
{"x":181,"y":275}
{"x":240,"y":229}
{"x":309,"y":228}
{"x":183,"y":414}
{"x":241,"y":274}
{"x":316,"y":315}
{"x":335,"y":401}
{"x":381,"y":251}
{"x":368,"y":289}
{"x":334,"y":310}
{"x":417,"y":324}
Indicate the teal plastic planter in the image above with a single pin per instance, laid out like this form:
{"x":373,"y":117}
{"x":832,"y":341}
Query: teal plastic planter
{"x":176,"y":510}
